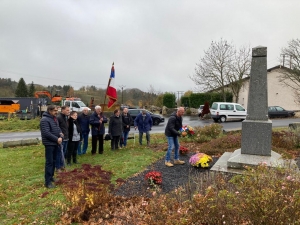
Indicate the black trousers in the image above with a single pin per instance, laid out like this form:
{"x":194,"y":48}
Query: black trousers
{"x":95,"y":139}
{"x":72,"y":151}
{"x":114,"y":143}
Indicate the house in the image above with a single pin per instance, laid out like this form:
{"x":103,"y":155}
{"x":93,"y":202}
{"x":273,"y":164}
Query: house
{"x":278,"y":94}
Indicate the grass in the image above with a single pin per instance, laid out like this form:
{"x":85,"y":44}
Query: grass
{"x":22,"y":185}
{"x":17,"y":125}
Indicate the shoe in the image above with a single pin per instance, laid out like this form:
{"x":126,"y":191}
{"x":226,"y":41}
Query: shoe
{"x":50,"y":185}
{"x":53,"y":180}
{"x":76,"y":162}
{"x":59,"y":170}
{"x":93,"y":153}
{"x":179,"y":162}
{"x":100,"y":152}
{"x":168,"y":163}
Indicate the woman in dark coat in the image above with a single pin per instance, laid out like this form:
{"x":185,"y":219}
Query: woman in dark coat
{"x":115,"y":129}
{"x":75,"y":136}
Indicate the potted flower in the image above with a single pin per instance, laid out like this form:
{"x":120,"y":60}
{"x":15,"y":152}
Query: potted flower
{"x":200,"y":160}
{"x":183,"y":150}
{"x":153,"y":178}
{"x":187,"y":131}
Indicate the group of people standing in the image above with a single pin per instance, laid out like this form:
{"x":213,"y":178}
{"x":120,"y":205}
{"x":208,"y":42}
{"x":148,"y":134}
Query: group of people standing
{"x":66,"y":135}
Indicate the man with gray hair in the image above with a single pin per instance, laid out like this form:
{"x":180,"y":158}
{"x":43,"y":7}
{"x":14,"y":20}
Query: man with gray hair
{"x":84,"y":122}
{"x":97,"y":121}
{"x":144,"y":123}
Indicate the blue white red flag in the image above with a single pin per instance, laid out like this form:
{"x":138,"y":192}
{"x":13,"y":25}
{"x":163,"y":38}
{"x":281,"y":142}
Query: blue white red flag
{"x":111,"y":91}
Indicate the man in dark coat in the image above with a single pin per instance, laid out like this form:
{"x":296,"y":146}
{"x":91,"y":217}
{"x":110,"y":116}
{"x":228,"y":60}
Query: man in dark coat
{"x":84,"y":121}
{"x":144,"y":123}
{"x":63,"y":124}
{"x":172,"y":132}
{"x":127,"y":121}
{"x":51,"y":138}
{"x":97,"y":121}
{"x":115,"y":129}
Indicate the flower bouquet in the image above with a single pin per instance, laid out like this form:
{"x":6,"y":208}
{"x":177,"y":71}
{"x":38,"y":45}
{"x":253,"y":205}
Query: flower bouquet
{"x":153,"y":177}
{"x":187,"y":131}
{"x":183,"y":150}
{"x":200,"y":160}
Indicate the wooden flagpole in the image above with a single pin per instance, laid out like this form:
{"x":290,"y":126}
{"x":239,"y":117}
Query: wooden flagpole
{"x":107,"y":88}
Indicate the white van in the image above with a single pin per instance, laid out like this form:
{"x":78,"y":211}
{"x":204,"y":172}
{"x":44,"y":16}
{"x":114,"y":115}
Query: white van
{"x":77,"y":105}
{"x":222,"y":111}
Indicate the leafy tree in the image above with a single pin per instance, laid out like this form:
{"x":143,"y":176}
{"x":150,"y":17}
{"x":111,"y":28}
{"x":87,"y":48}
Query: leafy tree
{"x":21,"y":90}
{"x":169,"y":100}
{"x":291,"y":77}
{"x":222,"y":67}
{"x":31,"y":90}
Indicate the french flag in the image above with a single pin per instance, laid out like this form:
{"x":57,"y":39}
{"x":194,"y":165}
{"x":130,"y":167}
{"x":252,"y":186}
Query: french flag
{"x":111,"y":91}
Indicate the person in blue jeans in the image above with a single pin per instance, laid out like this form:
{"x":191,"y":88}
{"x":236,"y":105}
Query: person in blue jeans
{"x":84,"y":121}
{"x":172,"y":133}
{"x":144,"y":123}
{"x":62,"y":119}
{"x":51,"y":139}
{"x":127,"y":121}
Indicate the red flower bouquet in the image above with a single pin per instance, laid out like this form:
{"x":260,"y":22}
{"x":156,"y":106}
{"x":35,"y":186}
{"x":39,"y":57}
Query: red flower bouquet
{"x":183,"y":150}
{"x":153,"y":177}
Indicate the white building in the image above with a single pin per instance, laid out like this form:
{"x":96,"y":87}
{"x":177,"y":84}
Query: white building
{"x":278,"y":94}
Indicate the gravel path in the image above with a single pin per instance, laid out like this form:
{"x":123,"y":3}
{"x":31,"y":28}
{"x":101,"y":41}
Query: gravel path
{"x":173,"y":177}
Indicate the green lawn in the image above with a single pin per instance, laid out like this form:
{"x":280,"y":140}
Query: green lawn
{"x":23,"y":197}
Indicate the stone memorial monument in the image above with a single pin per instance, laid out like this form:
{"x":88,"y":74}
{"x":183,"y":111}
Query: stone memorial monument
{"x":257,"y":128}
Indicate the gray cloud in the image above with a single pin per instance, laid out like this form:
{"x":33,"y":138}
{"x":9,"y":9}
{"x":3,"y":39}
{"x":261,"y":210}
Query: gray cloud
{"x":153,"y":43}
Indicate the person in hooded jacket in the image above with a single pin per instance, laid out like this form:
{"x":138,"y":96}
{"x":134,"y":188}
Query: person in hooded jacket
{"x":144,"y":123}
{"x":51,"y":139}
{"x":75,"y":136}
{"x":97,"y":121}
{"x":115,"y":129}
{"x":172,"y":132}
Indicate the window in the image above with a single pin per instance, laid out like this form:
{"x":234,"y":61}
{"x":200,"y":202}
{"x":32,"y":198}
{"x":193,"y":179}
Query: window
{"x":239,"y":108}
{"x":67,"y":103}
{"x":279,"y":108}
{"x":223,"y":107}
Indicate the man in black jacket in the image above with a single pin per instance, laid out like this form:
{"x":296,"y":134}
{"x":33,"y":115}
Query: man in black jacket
{"x":63,"y":124}
{"x":172,"y":132}
{"x":51,"y":138}
{"x":127,"y":121}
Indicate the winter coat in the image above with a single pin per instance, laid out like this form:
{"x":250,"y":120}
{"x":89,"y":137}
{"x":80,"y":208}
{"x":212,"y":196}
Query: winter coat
{"x":173,"y":126}
{"x":126,"y":120}
{"x":63,"y":124}
{"x":84,"y":121}
{"x":96,"y":127}
{"x":115,"y":127}
{"x":50,"y":130}
{"x":71,"y":128}
{"x":143,"y":125}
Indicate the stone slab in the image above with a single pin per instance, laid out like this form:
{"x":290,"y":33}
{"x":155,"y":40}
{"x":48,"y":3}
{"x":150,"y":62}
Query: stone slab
{"x":238,"y":159}
{"x":256,"y":137}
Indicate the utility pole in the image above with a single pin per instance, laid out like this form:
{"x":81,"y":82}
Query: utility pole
{"x":283,"y":59}
{"x":122,"y":86}
{"x":178,"y":99}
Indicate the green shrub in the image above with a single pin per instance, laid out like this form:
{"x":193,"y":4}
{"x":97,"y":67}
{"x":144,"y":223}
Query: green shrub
{"x":206,"y":133}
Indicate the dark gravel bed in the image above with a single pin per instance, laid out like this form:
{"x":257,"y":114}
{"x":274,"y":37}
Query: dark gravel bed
{"x":173,"y":177}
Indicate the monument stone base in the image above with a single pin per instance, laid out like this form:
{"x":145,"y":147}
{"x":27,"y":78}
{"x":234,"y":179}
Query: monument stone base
{"x":234,"y":162}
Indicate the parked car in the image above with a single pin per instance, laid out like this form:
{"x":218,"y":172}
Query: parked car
{"x":156,"y":118}
{"x":277,"y":111}
{"x":222,"y":111}
{"x":200,"y":110}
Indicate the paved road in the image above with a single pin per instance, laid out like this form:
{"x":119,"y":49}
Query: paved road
{"x":187,"y":120}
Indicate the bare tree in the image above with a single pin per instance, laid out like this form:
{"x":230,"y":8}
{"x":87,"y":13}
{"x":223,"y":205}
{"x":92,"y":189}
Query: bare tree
{"x":223,"y":67}
{"x":213,"y":70}
{"x":240,"y":69}
{"x":291,"y":77}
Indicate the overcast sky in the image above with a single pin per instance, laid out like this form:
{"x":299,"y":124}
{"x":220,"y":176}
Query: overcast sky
{"x":154,"y":42}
